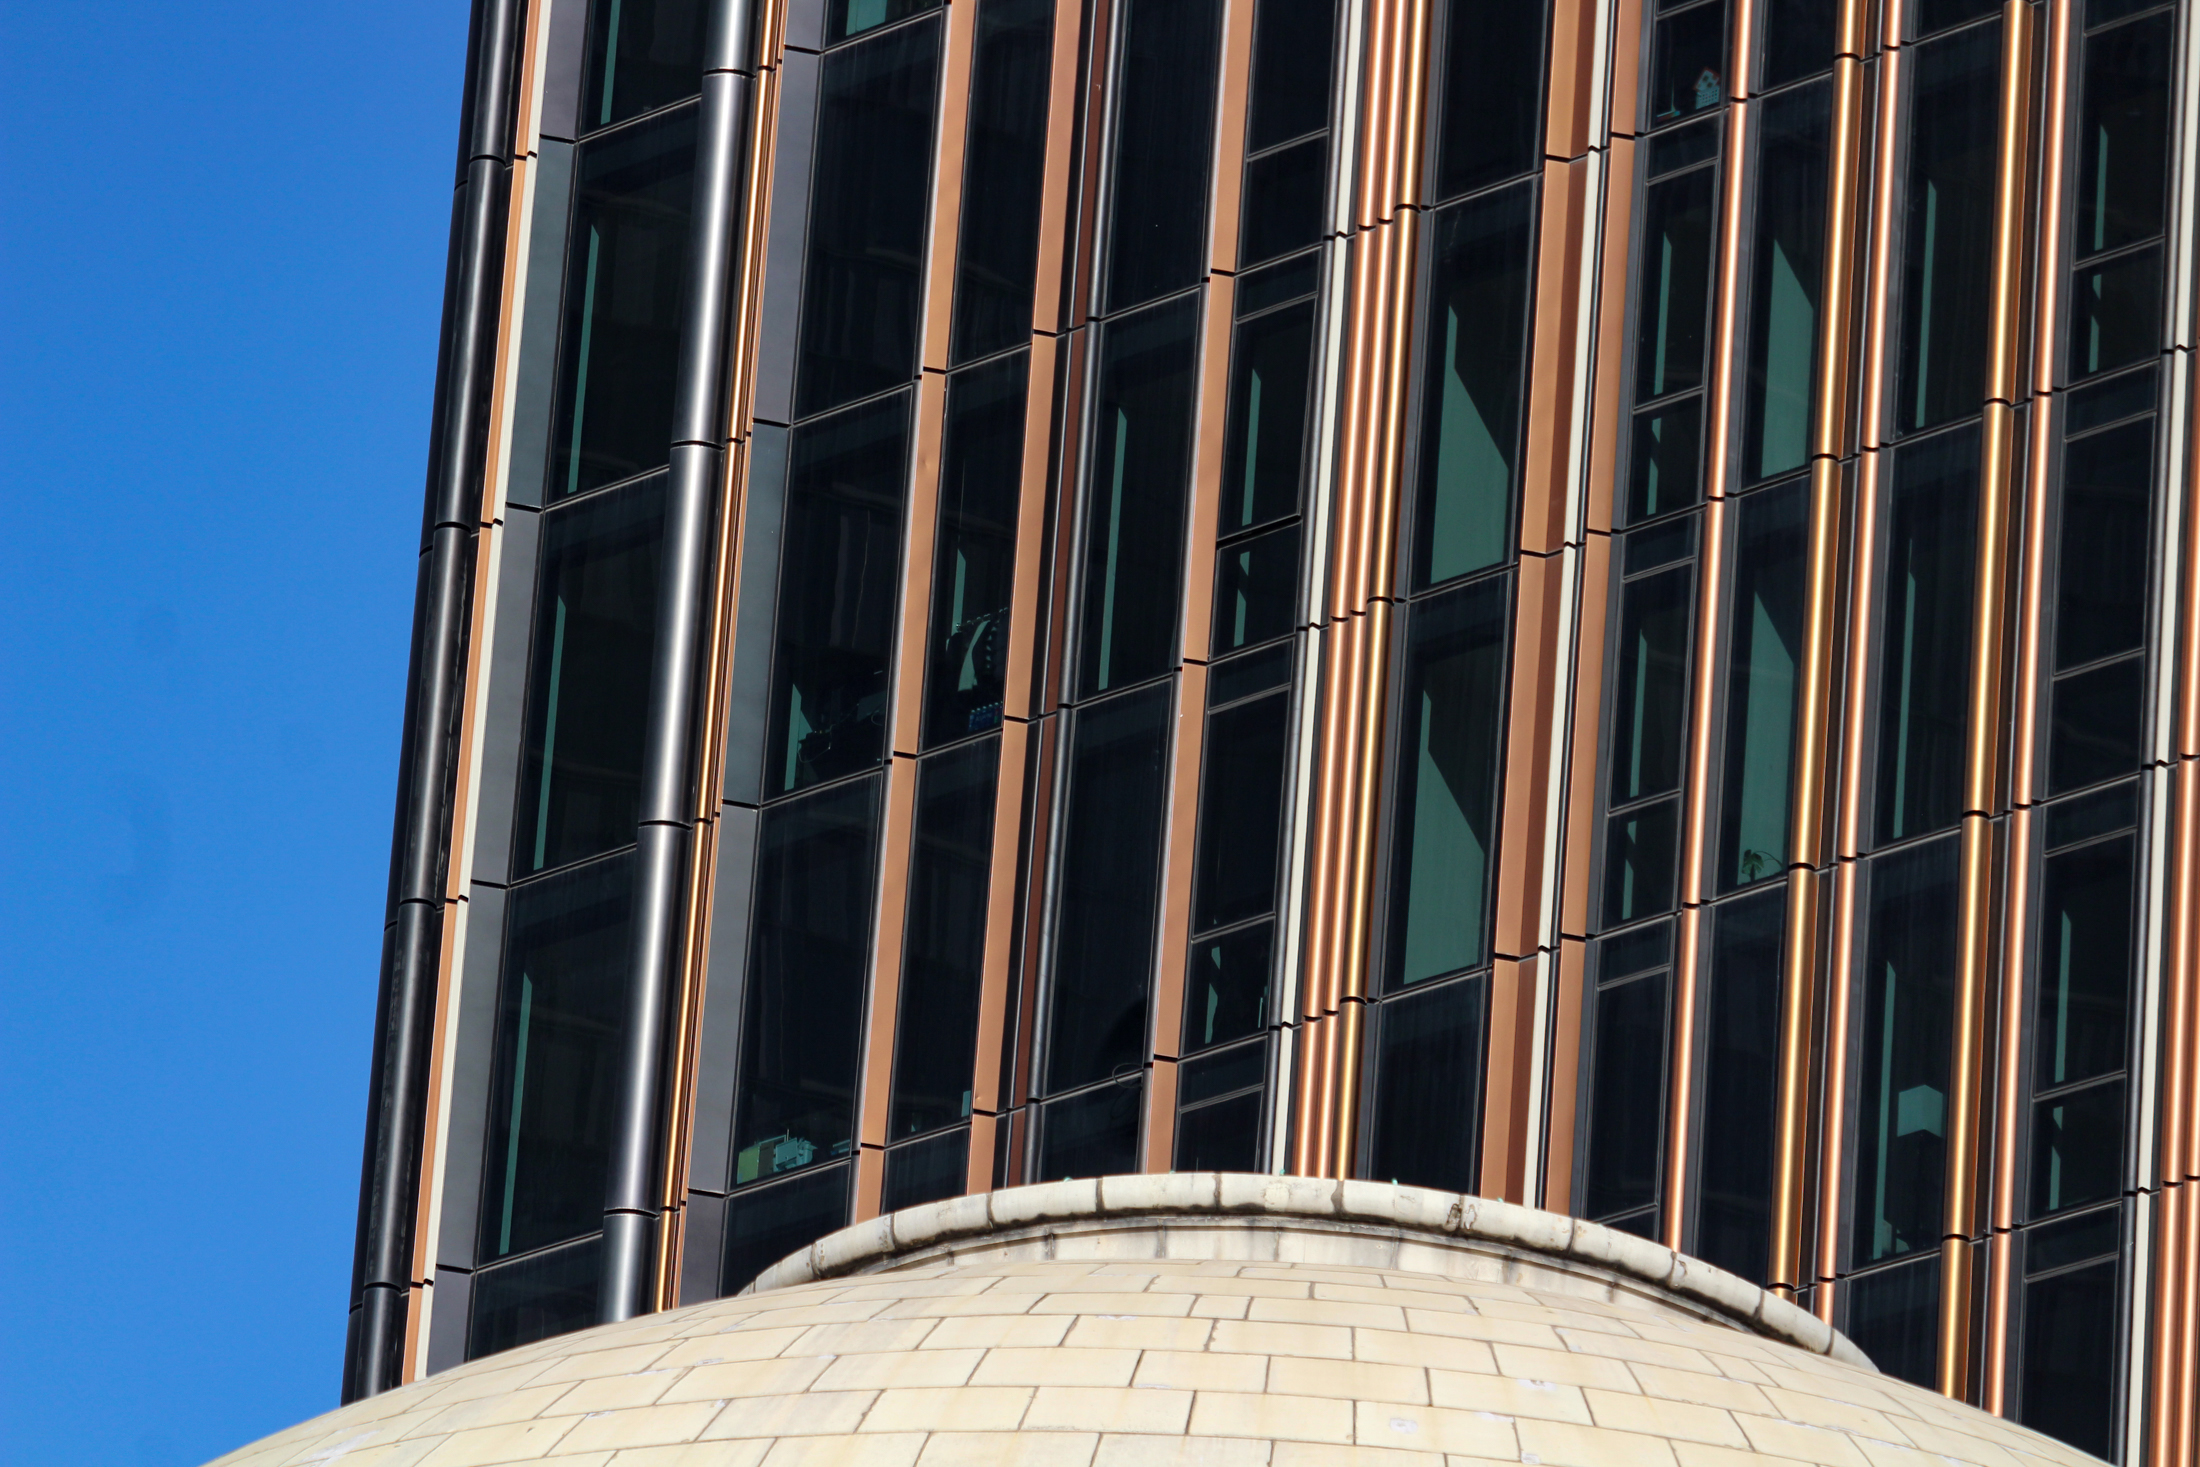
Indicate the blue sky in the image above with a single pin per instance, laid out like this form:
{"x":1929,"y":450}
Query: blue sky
{"x":222,"y":233}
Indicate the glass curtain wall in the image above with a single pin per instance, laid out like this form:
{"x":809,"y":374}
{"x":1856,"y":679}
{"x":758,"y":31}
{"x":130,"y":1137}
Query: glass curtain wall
{"x":590,"y":635}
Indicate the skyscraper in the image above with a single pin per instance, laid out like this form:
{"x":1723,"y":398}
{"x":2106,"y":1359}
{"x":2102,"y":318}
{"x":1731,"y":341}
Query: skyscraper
{"x":1582,"y":601}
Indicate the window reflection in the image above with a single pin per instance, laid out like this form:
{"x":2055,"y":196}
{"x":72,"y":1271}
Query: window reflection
{"x":1624,"y":1120}
{"x":642,"y":54}
{"x":997,"y":250}
{"x":1741,"y":1085}
{"x":1925,"y":634}
{"x":1672,"y":301}
{"x":1164,"y":143}
{"x":1490,"y":110}
{"x":2102,"y":554}
{"x":1687,"y":60}
{"x":1787,"y":272}
{"x":974,"y":553}
{"x":1948,"y":227}
{"x":1764,"y":651}
{"x":1426,"y":1126}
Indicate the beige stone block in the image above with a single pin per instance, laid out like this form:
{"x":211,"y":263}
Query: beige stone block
{"x":1676,"y":1419}
{"x":862,"y":1337}
{"x":1702,"y":1390}
{"x":1436,"y":1429}
{"x":1009,"y":1449}
{"x":521,"y":1405}
{"x":1818,"y":1410}
{"x":614,"y":1392}
{"x":1328,"y":1311}
{"x":1563,"y":1367}
{"x":1329,"y":1454}
{"x":1563,"y":1444}
{"x":1965,"y":1446}
{"x":970,"y":1408}
{"x":1887,"y":1454}
{"x":1816,"y":1444}
{"x":971,"y":1304}
{"x":1058,"y":1366}
{"x":800,"y":1312}
{"x":1314,"y":1341}
{"x":1507,"y":1395}
{"x":716,"y":1349}
{"x":1635,"y":1351}
{"x":1221,"y":1306}
{"x":1264,"y":1288}
{"x":1356,"y":1380}
{"x":643,"y":1426}
{"x":1201,"y":1370}
{"x":914,"y":1285}
{"x":512,"y":1441}
{"x":1395,"y":1347}
{"x":1093,"y":1282}
{"x":995,"y":1331}
{"x":1702,"y":1454}
{"x":1131,"y":1332}
{"x":694,"y":1454}
{"x":899,"y":1368}
{"x":777,"y":1376}
{"x":1404,"y":1298}
{"x":1483,"y":1327}
{"x":1279,"y":1418}
{"x":872,"y":1449}
{"x":1108,"y":1408}
{"x":1152,"y":1304}
{"x":1180,"y":1451}
{"x":816,"y":1413}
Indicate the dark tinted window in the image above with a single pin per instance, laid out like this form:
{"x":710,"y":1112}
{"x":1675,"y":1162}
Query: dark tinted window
{"x":1764,"y":650}
{"x":588,"y":687}
{"x":641,"y":55}
{"x":1786,"y":276}
{"x":1240,"y":800}
{"x":2081,"y":1023}
{"x":533,"y":1298}
{"x":625,"y":277}
{"x":1226,"y":986}
{"x":2123,"y":135}
{"x":809,"y":952}
{"x":1741,"y":1086}
{"x":1474,"y":383}
{"x":930,"y":1170}
{"x":1672,"y":303}
{"x":1687,"y":60}
{"x":1283,"y":200}
{"x":559,"y":1016}
{"x":974,"y":552}
{"x":839,"y":580}
{"x":1164,"y":145}
{"x":1428,"y":1087}
{"x":1091,"y":1135}
{"x":1292,"y":44}
{"x":845,"y":19}
{"x":1925,"y":634}
{"x":2067,"y":1387}
{"x":1135,"y":494}
{"x":1110,"y":875}
{"x":997,"y":252}
{"x":1948,"y":227}
{"x":1907,"y":1009}
{"x":1798,"y":38}
{"x":1489,"y":117}
{"x":1626,"y":1112}
{"x":2100,"y":606}
{"x":1256,"y":590}
{"x":943,"y":953}
{"x":1271,"y":358}
{"x":1219,"y":1111}
{"x":1444,"y":822}
{"x":862,"y":278}
{"x":1650,"y":703}
{"x":769,"y":1223}
{"x":1894,"y":1317}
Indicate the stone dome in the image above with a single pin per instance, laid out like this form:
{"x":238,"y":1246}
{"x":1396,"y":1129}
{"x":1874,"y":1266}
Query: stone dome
{"x":1193,"y":1319}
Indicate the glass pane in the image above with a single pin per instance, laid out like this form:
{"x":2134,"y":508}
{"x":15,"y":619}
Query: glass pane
{"x":1283,"y":201}
{"x":1272,"y":285}
{"x":1490,"y":116}
{"x":1799,"y":38}
{"x":847,"y":18}
{"x":974,"y":553}
{"x":1164,"y":145}
{"x":531,"y":1299}
{"x":1908,"y":1013}
{"x":1673,"y":292}
{"x":997,"y":253}
{"x":1925,"y":634}
{"x":1947,"y":250}
{"x":1255,"y":672}
{"x":1444,"y":819}
{"x":1639,"y":862}
{"x":1270,"y":360}
{"x":1894,"y":1317}
{"x":1650,"y":696}
{"x":1473,"y":383}
{"x":1764,"y":648}
{"x":809,"y":953}
{"x":1223,"y":1136}
{"x":559,"y":1015}
{"x":2100,"y":403}
{"x":766,"y":1225}
{"x":625,"y":276}
{"x":943,"y":949}
{"x":1665,"y":470}
{"x":1741,"y":1086}
{"x":1228,"y":1073}
{"x":2078,"y":1148}
{"x":2067,"y":1383}
{"x":1688,"y":62}
{"x":1256,"y":590}
{"x":1110,"y":875}
{"x":1626,"y":1114}
{"x":2069,"y":1240}
{"x":1240,"y":812}
{"x":2096,"y":731}
{"x":1292,"y":44}
{"x":2071,"y":821}
{"x":642,"y":54}
{"x":1091,"y":1135}
{"x":594,"y":639}
{"x":1933,"y":15}
{"x":1134,"y":496}
{"x":2102,"y":552}
{"x":839,"y":581}
{"x":2082,"y":987}
{"x":1786,"y":275}
{"x":2123,"y":135}
{"x":2116,"y":312}
{"x":1428,"y":1088}
{"x":1226,"y":987}
{"x":927,"y":1171}
{"x":862,"y":273}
